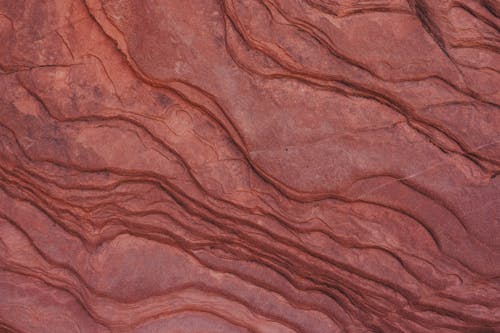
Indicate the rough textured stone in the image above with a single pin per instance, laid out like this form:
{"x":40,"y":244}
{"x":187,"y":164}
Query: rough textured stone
{"x":256,"y":166}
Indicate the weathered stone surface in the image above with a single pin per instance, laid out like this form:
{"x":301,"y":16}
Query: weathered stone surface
{"x":249,"y":166}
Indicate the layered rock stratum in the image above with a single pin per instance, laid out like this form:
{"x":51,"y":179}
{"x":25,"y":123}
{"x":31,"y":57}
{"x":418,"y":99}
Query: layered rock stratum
{"x":259,"y":166}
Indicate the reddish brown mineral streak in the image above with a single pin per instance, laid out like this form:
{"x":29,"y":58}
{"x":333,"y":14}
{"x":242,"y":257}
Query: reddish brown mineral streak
{"x":260,"y":166}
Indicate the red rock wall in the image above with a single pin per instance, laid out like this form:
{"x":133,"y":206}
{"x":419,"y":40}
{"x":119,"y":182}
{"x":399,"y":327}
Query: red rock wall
{"x":249,"y":166}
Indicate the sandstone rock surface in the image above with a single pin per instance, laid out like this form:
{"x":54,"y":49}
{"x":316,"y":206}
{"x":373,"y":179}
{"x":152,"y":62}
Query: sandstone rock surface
{"x":260,"y":166}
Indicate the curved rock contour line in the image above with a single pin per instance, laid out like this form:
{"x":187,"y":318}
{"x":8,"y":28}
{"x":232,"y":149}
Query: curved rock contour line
{"x":259,"y":166}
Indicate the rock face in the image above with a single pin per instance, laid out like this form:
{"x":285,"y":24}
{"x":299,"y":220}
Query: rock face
{"x":256,"y":166}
